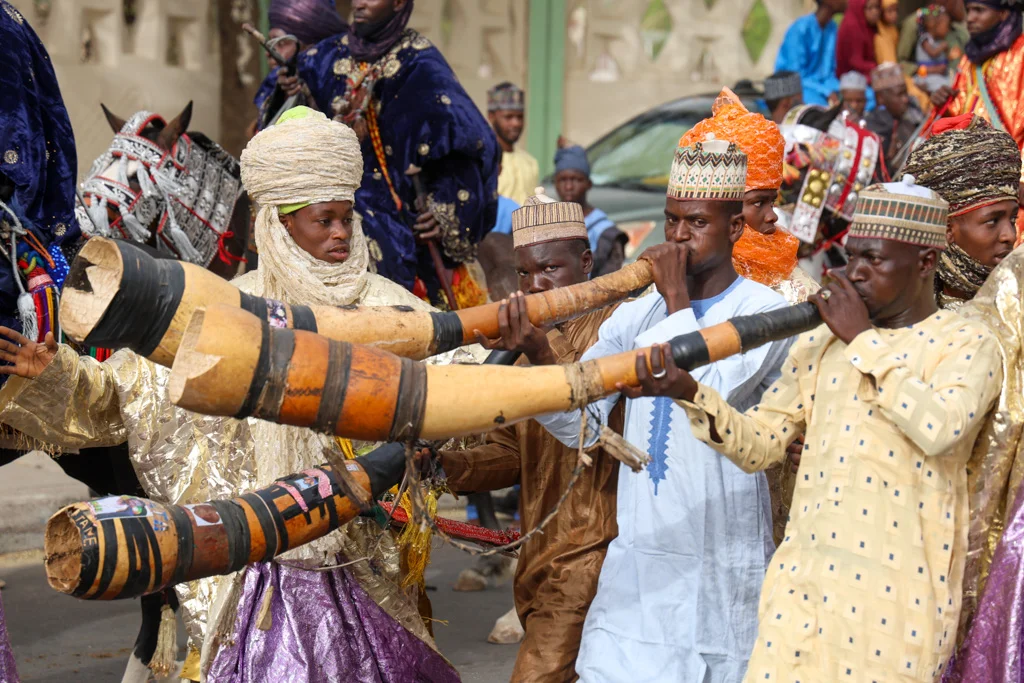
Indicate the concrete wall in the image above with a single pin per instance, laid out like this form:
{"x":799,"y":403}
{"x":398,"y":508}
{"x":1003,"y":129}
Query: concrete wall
{"x":157,"y":58}
{"x":621,"y":56}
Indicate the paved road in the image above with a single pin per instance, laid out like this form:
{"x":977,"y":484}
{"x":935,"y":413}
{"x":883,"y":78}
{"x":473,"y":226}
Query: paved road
{"x":31,"y":489}
{"x":58,"y":639}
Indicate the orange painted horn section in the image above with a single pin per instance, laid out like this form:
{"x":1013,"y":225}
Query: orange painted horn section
{"x":232,"y":364}
{"x":124,"y":546}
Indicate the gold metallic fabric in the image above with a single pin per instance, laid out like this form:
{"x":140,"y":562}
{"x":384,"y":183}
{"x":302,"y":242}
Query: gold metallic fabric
{"x":996,"y":469}
{"x":182,"y":457}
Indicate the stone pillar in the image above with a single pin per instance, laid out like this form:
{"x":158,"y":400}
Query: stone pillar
{"x":240,"y":71}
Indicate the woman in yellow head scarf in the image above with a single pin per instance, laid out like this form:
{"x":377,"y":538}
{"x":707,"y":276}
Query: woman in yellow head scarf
{"x":887,"y":44}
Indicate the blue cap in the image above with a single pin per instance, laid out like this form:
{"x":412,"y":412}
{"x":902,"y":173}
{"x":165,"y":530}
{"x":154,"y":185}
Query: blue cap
{"x":572,"y":159}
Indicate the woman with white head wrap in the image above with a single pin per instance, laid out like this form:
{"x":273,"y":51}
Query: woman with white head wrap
{"x":349,"y":623}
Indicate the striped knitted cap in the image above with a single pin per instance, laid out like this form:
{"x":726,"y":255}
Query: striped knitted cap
{"x":542,"y":219}
{"x":968,"y":163}
{"x":903,"y":212}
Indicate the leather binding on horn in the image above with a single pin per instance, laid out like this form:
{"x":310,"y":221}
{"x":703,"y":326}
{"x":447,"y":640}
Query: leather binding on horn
{"x":119,"y":296}
{"x":124,"y":547}
{"x":233,"y":364}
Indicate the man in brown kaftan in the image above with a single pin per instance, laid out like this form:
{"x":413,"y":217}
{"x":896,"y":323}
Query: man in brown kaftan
{"x":557,"y":574}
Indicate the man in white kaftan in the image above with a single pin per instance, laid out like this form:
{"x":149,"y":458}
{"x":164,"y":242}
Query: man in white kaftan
{"x":678,"y":592}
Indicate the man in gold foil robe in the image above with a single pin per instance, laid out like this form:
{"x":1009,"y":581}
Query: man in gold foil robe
{"x":303,"y":173}
{"x":557,"y":573}
{"x":891,"y":394}
{"x":976,"y":169}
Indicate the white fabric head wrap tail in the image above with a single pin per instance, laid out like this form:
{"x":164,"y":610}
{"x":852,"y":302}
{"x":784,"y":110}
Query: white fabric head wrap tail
{"x":306,"y":159}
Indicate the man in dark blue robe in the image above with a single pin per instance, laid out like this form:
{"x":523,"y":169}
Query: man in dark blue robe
{"x":411,"y":114}
{"x":295,"y":26}
{"x":38,"y":163}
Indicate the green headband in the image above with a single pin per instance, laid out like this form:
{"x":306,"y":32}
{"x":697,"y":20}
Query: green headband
{"x":291,"y":114}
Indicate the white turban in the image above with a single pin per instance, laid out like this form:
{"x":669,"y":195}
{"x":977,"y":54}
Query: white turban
{"x":304,"y":159}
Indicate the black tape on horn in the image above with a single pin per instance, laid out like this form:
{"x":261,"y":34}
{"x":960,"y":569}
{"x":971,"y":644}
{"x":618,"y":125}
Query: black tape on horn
{"x":260,"y":375}
{"x":782,"y":323}
{"x":502,"y":357}
{"x":447,"y":331}
{"x":689,"y":351}
{"x":143,"y":306}
{"x":385,"y":466}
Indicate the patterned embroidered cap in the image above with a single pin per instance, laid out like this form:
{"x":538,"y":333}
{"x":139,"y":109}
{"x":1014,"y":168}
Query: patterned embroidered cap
{"x":542,"y":219}
{"x":903,"y":212}
{"x":712,"y":169}
{"x":887,"y":75}
{"x":506,"y":97}
{"x":781,"y":85}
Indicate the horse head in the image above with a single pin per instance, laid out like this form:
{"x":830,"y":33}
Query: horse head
{"x":166,"y":136}
{"x":170,"y":188}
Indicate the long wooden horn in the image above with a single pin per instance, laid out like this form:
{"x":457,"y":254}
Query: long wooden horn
{"x":118,"y":296}
{"x":231,"y":363}
{"x":123,"y":547}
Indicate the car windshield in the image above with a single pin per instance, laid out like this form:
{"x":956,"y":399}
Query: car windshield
{"x":638,"y":155}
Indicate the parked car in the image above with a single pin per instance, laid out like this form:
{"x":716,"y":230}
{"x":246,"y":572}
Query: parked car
{"x":630,"y":165}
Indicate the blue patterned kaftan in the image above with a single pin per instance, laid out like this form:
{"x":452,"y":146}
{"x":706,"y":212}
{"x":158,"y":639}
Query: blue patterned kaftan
{"x":37,"y":150}
{"x":425,"y":118}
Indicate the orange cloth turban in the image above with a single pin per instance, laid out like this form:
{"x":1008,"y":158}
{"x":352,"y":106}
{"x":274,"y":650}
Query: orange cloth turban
{"x":767,"y":259}
{"x":758,"y":138}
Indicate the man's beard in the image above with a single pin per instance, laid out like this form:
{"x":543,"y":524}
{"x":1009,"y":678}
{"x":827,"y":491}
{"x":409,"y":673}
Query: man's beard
{"x":367,"y":29}
{"x":507,"y":138}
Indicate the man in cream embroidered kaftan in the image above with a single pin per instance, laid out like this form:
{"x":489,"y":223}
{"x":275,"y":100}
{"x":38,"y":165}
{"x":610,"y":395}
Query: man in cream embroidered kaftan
{"x":677,"y":594}
{"x":873,"y":557}
{"x":866,"y":586}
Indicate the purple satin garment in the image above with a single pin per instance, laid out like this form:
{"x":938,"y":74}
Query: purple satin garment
{"x":8,"y":672}
{"x":325,"y":628}
{"x":994,"y":646}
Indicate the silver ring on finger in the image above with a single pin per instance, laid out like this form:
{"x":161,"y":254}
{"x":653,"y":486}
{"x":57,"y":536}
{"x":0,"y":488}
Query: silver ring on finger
{"x":660,"y":375}
{"x":826,"y":295}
